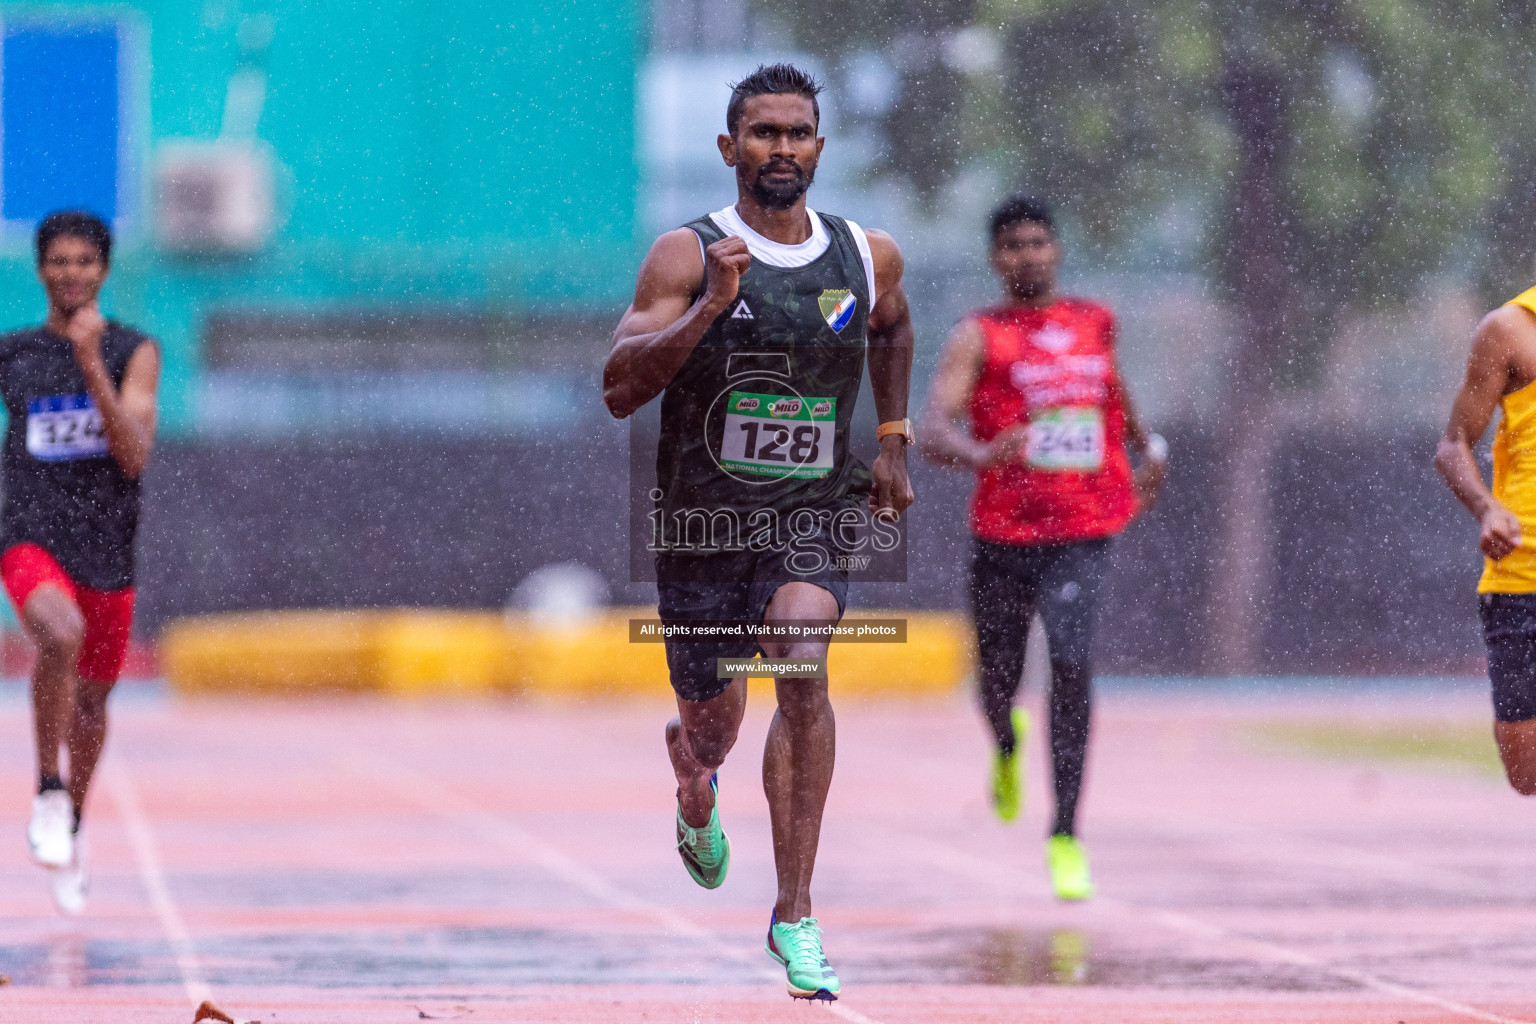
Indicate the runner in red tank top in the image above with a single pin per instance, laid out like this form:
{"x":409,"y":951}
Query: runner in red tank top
{"x":1029,"y":396}
{"x":1051,"y":370}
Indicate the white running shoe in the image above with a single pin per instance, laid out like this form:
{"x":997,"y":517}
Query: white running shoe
{"x":51,"y":832}
{"x":71,"y":881}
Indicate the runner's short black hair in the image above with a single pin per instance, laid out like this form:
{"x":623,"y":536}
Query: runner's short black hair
{"x":1021,"y":209}
{"x":771,"y":80}
{"x":76,"y":224}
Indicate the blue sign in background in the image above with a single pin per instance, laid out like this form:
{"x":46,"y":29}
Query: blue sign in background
{"x":59,"y":116}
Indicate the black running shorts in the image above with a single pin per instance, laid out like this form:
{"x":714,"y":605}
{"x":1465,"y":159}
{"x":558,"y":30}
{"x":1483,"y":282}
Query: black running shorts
{"x":732,"y":586}
{"x":1509,"y":632}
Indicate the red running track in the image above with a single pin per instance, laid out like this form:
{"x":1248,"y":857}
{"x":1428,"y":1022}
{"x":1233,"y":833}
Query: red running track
{"x":370,"y":862}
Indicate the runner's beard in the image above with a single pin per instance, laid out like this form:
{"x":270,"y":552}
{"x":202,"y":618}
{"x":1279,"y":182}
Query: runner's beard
{"x":780,"y":195}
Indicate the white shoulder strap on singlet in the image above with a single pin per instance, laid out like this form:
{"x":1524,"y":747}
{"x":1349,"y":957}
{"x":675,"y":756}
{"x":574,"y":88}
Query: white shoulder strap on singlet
{"x":862,"y":241}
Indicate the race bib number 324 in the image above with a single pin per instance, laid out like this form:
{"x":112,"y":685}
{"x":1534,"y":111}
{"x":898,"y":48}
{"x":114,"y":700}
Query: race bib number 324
{"x":1067,"y":439}
{"x":778,"y":435}
{"x":65,"y":427}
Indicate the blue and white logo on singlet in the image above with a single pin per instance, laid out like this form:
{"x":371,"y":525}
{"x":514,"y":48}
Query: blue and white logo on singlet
{"x":837,"y":305}
{"x":61,"y":428}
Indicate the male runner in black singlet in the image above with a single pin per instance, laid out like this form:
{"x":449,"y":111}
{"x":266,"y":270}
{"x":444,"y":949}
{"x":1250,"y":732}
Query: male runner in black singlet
{"x":80,"y":393}
{"x":753,"y":324}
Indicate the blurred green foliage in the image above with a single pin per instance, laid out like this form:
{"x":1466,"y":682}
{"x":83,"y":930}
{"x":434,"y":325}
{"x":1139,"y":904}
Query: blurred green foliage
{"x":1405,"y":144}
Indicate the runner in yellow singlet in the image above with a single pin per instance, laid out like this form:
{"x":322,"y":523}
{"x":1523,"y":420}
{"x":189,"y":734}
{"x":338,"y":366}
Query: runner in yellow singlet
{"x":1501,"y":374}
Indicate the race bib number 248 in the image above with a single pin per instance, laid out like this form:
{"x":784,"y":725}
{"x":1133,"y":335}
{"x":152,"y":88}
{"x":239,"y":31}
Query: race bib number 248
{"x":1067,"y":439}
{"x":61,"y":428}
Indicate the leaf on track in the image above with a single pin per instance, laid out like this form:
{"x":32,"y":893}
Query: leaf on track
{"x":208,"y":1012}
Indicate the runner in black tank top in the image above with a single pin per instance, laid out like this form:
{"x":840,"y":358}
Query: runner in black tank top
{"x":792,"y":333}
{"x":63,"y":491}
{"x":80,"y":394}
{"x":757,"y":321}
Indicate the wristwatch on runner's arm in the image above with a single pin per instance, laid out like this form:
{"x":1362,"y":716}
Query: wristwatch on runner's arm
{"x":902,"y":427}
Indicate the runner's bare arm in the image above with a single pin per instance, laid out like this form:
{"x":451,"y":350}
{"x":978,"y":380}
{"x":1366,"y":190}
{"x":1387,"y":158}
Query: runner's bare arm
{"x":127,"y":413}
{"x":670,"y":313}
{"x":1490,"y":370}
{"x":890,"y":373}
{"x":945,"y":438}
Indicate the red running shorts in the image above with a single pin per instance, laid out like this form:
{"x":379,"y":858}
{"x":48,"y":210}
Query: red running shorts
{"x":108,"y":614}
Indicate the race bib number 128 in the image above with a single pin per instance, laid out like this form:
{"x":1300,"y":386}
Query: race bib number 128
{"x":778,"y":435}
{"x":65,"y":427}
{"x":1067,"y":438}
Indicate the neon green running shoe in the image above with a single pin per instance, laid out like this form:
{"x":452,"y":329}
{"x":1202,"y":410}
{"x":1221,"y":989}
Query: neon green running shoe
{"x":706,"y":851}
{"x":1068,"y":862}
{"x":1008,"y":772}
{"x":798,"y":947}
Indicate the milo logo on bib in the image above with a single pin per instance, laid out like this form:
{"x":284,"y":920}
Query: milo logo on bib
{"x":778,"y":435}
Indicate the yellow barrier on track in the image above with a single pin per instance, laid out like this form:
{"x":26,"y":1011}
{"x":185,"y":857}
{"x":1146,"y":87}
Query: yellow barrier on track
{"x":451,"y":653}
{"x":402,"y":652}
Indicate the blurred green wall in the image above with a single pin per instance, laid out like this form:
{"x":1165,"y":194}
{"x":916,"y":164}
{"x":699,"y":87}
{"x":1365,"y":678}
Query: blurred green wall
{"x":477,"y":154}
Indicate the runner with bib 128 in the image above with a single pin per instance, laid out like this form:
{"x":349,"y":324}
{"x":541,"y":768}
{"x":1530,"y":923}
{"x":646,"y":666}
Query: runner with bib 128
{"x":1029,"y":396}
{"x":80,"y":392}
{"x":753,"y":324}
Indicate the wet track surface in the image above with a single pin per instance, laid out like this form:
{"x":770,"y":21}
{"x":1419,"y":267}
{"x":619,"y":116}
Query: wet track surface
{"x":370,"y":862}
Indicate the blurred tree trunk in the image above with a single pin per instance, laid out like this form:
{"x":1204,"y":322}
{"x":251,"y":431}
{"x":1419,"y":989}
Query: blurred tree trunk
{"x":920,"y":127}
{"x":1257,"y":265}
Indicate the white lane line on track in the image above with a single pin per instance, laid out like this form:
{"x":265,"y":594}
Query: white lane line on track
{"x":439,"y":799}
{"x":142,"y":837}
{"x":961,"y":862}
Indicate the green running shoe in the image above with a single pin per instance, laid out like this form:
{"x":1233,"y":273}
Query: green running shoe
{"x":798,"y":947}
{"x":1008,"y":772}
{"x":706,"y":851}
{"x":1068,"y":862}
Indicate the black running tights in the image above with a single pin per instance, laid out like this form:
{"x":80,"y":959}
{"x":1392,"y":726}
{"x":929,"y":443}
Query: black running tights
{"x":1009,"y":584}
